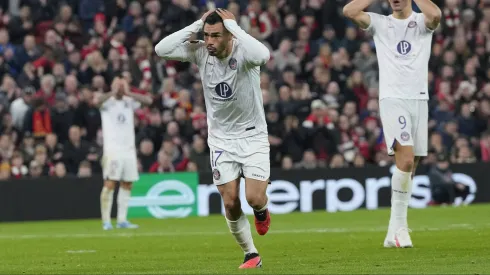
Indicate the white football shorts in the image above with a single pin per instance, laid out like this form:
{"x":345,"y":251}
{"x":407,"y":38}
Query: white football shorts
{"x":120,"y":167}
{"x":230,"y":159}
{"x":405,"y":121}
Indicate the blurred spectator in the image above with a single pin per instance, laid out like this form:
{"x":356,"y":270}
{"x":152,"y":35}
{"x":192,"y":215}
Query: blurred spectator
{"x":75,"y":150}
{"x":200,"y":154}
{"x":20,"y":107}
{"x":443,"y":188}
{"x":87,"y":115}
{"x":84,"y":170}
{"x":35,"y":169}
{"x":146,"y":154}
{"x":59,"y":170}
{"x":62,"y":117}
{"x":163,"y":164}
{"x":38,"y":120}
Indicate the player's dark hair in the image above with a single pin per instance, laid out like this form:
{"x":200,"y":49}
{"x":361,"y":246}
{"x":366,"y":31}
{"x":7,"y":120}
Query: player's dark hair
{"x":213,"y":18}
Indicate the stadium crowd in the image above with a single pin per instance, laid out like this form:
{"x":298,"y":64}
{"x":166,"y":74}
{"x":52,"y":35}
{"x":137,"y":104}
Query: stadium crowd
{"x":320,"y":86}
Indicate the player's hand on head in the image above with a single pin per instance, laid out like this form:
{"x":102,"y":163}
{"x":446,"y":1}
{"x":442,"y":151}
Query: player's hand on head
{"x":125,"y":86}
{"x":225,"y":14}
{"x":204,"y":16}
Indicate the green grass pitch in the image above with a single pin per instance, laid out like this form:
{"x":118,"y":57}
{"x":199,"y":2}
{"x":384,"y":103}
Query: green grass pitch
{"x":447,"y":241}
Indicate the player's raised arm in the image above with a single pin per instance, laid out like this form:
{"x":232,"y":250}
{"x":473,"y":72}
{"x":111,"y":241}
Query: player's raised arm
{"x":99,"y":101}
{"x":355,"y":12}
{"x":257,"y":53}
{"x":176,"y":47}
{"x":143,"y":99}
{"x":431,"y":12}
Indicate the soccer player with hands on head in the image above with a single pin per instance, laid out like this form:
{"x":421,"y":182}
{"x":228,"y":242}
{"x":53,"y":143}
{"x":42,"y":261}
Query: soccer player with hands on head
{"x":229,"y":63}
{"x":119,"y":161}
{"x":403,"y":44}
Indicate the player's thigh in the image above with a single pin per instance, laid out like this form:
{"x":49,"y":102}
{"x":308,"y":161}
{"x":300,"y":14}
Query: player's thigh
{"x":224,"y":166}
{"x":256,"y":167}
{"x":397,"y":123}
{"x":112,"y":168}
{"x":130,"y":172}
{"x":421,"y":128}
{"x":230,"y":193}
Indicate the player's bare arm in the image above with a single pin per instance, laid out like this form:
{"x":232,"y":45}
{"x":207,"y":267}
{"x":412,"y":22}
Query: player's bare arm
{"x":143,"y":99}
{"x":355,"y":12}
{"x":174,"y":46}
{"x":431,"y":12}
{"x":256,"y":53}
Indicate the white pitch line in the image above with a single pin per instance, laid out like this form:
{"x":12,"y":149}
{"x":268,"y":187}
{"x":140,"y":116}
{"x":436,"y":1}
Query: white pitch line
{"x":210,"y":233}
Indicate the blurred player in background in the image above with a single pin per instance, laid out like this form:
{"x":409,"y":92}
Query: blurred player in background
{"x":119,"y":161}
{"x":229,"y":63}
{"x":403,"y":43}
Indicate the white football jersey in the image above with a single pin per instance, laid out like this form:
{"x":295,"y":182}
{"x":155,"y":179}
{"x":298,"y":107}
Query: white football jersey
{"x":118,"y":125}
{"x":231,"y":86}
{"x":403,"y":48}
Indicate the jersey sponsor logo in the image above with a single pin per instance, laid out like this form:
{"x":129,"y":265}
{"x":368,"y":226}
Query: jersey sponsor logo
{"x":233,"y":63}
{"x":403,"y":47}
{"x":412,"y":24}
{"x":405,"y":136}
{"x":223,"y":90}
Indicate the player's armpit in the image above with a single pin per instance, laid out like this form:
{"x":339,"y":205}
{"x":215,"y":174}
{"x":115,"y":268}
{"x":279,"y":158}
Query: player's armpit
{"x":432,"y":22}
{"x":432,"y":13}
{"x":256,"y":53}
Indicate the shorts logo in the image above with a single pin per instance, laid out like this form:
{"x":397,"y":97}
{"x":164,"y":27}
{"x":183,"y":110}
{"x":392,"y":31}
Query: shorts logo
{"x":216,"y":174}
{"x":403,"y":47}
{"x":233,"y":63}
{"x":223,"y":90}
{"x":412,"y":24}
{"x":405,"y":136}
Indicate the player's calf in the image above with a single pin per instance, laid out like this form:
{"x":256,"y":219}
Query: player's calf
{"x":106,"y":200}
{"x":236,"y":220}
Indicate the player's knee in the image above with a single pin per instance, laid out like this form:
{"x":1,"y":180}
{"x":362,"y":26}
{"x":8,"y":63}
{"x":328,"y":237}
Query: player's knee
{"x":126,"y":185}
{"x":256,"y":201}
{"x":406,"y":163}
{"x":109,"y":184}
{"x":231,"y":202}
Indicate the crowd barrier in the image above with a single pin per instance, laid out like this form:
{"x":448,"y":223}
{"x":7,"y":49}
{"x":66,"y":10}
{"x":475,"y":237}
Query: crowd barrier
{"x":180,"y":195}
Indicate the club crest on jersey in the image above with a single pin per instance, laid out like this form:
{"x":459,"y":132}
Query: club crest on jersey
{"x":223,"y":90}
{"x":121,"y":118}
{"x":404,"y":47}
{"x":412,"y":24}
{"x":216,"y":174}
{"x":233,"y":63}
{"x":405,"y":136}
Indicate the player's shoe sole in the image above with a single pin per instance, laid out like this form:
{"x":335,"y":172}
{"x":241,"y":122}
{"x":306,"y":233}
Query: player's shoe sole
{"x":252,"y":260}
{"x":262,"y":227}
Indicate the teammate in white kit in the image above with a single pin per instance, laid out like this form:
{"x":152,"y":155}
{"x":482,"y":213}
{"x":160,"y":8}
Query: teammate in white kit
{"x":119,"y":161}
{"x":403,"y":43}
{"x":229,"y":63}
